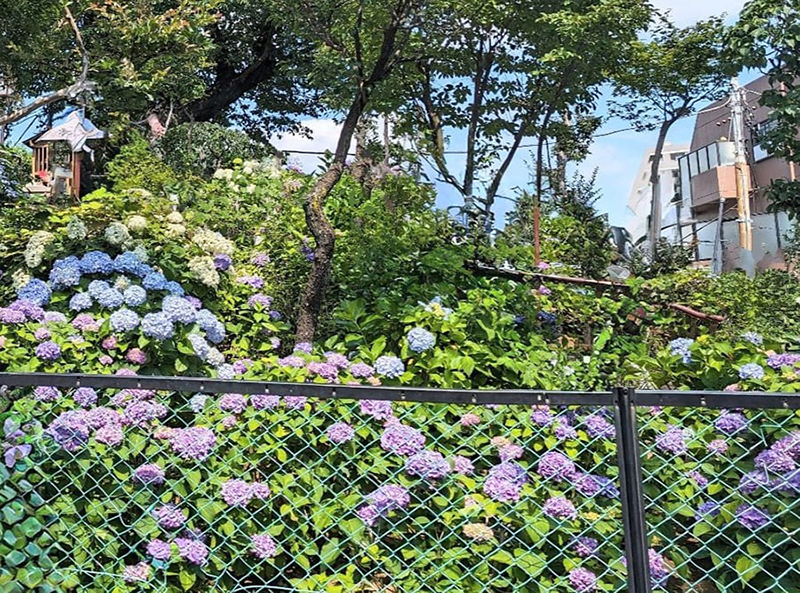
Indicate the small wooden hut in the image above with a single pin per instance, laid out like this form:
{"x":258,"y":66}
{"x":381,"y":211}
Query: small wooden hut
{"x":58,"y":155}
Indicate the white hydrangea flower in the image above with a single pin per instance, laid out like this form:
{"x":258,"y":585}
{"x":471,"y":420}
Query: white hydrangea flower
{"x":137,"y":223}
{"x":34,"y":251}
{"x":20,"y":278}
{"x":250,"y":189}
{"x":175,"y":217}
{"x":141,"y":253}
{"x":213,"y":243}
{"x":121,"y":283}
{"x":202,"y":267}
{"x":175,"y":230}
{"x":117,"y":233}
{"x":76,"y":230}
{"x":215,"y":357}
{"x":223,"y":174}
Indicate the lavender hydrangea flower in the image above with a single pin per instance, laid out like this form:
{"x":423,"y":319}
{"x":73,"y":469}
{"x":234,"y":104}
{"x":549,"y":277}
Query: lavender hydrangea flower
{"x":542,"y":415}
{"x":788,"y":359}
{"x":718,"y":447}
{"x":389,"y":366}
{"x":222,"y":261}
{"x":775,"y":461}
{"x":378,"y":409}
{"x":235,"y":403}
{"x":731,"y":423}
{"x":583,"y":580}
{"x":429,"y":465}
{"x":159,"y":550}
{"x":149,"y":473}
{"x":259,"y":259}
{"x":292,"y":361}
{"x":387,"y":498}
{"x":260,"y":490}
{"x":169,"y":516}
{"x":260,"y":299}
{"x":598,"y":427}
{"x":559,"y":507}
{"x":295,"y":402}
{"x":84,"y":397}
{"x":510,"y":452}
{"x":463,"y":465}
{"x":70,"y":430}
{"x":30,"y":310}
{"x":751,"y":370}
{"x":54,"y":317}
{"x":136,"y":573}
{"x":564,"y":431}
{"x":236,"y":493}
{"x":361,"y":370}
{"x":84,"y":322}
{"x":10,"y":316}
{"x":263,"y":546}
{"x":42,"y":334}
{"x":48,"y":351}
{"x":140,"y":413}
{"x":402,"y":440}
{"x":337,"y":360}
{"x":158,"y":326}
{"x":341,"y":432}
{"x":674,"y":440}
{"x":752,"y":517}
{"x":195,"y":442}
{"x":324,"y":370}
{"x":262,"y":401}
{"x":585,"y":547}
{"x":110,"y":435}
{"x":698,"y":478}
{"x":752,"y":481}
{"x":101,"y":416}
{"x":420,"y":339}
{"x":46,"y":393}
{"x":192,"y":550}
{"x":710,"y":508}
{"x":252,"y":281}
{"x":556,"y":466}
{"x":592,"y":485}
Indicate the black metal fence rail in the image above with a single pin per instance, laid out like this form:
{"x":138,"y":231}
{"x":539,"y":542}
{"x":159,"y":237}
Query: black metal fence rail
{"x":624,"y":401}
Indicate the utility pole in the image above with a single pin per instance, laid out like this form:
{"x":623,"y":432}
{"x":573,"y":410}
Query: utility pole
{"x":742,"y":185}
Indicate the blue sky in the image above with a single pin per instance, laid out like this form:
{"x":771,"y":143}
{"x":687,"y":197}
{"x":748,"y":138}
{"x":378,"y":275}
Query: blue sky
{"x":616,"y":157}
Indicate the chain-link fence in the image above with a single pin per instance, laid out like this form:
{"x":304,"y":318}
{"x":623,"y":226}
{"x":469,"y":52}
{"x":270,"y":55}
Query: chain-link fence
{"x":170,"y":484}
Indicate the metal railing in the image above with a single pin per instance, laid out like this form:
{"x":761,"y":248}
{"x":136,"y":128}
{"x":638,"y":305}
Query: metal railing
{"x":318,"y":487}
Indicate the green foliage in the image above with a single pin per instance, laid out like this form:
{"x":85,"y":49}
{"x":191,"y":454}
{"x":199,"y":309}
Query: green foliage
{"x":202,"y":148}
{"x":14,"y":173}
{"x":667,"y":259}
{"x":137,"y":166}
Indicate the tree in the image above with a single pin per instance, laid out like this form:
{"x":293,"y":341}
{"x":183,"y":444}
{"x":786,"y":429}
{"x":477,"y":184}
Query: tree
{"x":502,"y":72}
{"x":767,"y":37}
{"x":357,"y":46}
{"x":666,"y":78}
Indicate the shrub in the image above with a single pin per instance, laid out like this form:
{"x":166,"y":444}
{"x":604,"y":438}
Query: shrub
{"x":138,"y":167}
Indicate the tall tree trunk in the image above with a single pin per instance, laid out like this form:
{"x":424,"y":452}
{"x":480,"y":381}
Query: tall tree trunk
{"x":321,"y":228}
{"x":655,"y":187}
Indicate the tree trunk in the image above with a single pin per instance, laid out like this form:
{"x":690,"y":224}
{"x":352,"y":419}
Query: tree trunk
{"x":321,"y":228}
{"x":655,"y":187}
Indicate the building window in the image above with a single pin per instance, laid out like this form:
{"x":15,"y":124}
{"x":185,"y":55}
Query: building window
{"x":760,"y":153}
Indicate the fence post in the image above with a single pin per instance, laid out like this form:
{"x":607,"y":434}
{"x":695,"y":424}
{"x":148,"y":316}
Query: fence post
{"x":630,"y":475}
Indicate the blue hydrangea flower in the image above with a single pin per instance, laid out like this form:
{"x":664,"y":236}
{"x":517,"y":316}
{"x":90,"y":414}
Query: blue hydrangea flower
{"x":80,"y":301}
{"x":110,"y":298}
{"x":178,"y":309}
{"x":124,"y":320}
{"x":216,"y":333}
{"x":206,"y":319}
{"x":134,"y":296}
{"x":389,"y":366}
{"x":174,"y":288}
{"x":420,"y":340}
{"x":158,"y":326}
{"x":680,"y":347}
{"x":753,"y":338}
{"x":97,"y":262}
{"x":65,"y":273}
{"x":97,"y":286}
{"x":155,"y":281}
{"x":129,"y":263}
{"x":751,"y":370}
{"x":35,"y":291}
{"x":199,"y":345}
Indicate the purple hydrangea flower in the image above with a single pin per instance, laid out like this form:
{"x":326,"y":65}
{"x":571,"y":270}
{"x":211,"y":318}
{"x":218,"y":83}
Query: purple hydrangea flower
{"x":295,"y":402}
{"x":84,"y":322}
{"x":9,"y":316}
{"x":136,"y":573}
{"x":252,"y":281}
{"x":752,"y":481}
{"x":70,"y":430}
{"x":710,"y":508}
{"x":42,"y":334}
{"x":674,"y":440}
{"x":149,"y":473}
{"x":468,"y":420}
{"x":510,"y":452}
{"x":338,"y":360}
{"x":259,"y":259}
{"x":222,"y":261}
{"x":46,"y":393}
{"x":169,"y":517}
{"x":752,"y":517}
{"x":389,"y":497}
{"x":84,"y":397}
{"x":324,"y":370}
{"x":195,"y":442}
{"x":368,"y":514}
{"x":463,"y":465}
{"x":542,"y":415}
{"x":778,"y":361}
{"x":341,"y":432}
{"x":698,"y":478}
{"x":260,"y":490}
{"x":54,"y":317}
{"x":192,"y":550}
{"x":136,"y":356}
{"x":102,"y":416}
{"x":718,"y":447}
{"x":292,"y":361}
{"x":402,"y":440}
{"x":598,"y":427}
{"x":556,"y":466}
{"x":48,"y":351}
{"x":592,"y":485}
{"x":263,"y":401}
{"x":730,"y":423}
{"x":378,"y":409}
{"x":140,"y":413}
{"x":775,"y":461}
{"x":429,"y":465}
{"x":583,"y":580}
{"x":110,"y":435}
{"x":159,"y":550}
{"x":235,"y":403}
{"x":564,"y":431}
{"x":236,"y":493}
{"x":585,"y":546}
{"x":263,"y":546}
{"x":361,"y":370}
{"x":559,"y":507}
{"x":261,"y":300}
{"x":303,"y":347}
{"x":501,"y":490}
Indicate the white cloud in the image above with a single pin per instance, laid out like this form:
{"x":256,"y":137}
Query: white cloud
{"x":324,"y":134}
{"x":688,"y":12}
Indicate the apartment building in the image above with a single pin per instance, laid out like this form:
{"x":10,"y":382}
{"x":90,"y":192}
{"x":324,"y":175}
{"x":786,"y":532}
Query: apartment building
{"x":708,"y":186}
